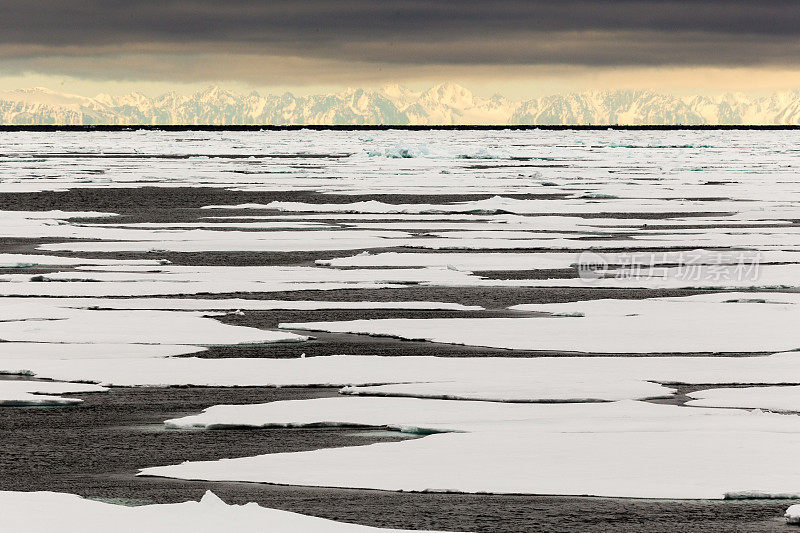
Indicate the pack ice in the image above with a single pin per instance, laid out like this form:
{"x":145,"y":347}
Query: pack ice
{"x":42,"y":512}
{"x":704,"y":323}
{"x":624,"y":449}
{"x":18,"y":393}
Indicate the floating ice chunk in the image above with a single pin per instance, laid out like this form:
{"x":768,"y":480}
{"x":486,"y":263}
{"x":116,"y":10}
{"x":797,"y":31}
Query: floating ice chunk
{"x":669,"y":325}
{"x":268,"y":225}
{"x":113,"y":280}
{"x":512,"y":379}
{"x":480,"y":261}
{"x":16,"y":393}
{"x":31,"y":260}
{"x":55,"y":214}
{"x":230,"y":304}
{"x":59,"y":325}
{"x":464,"y":261}
{"x":508,"y":388}
{"x":499,"y":204}
{"x":792,"y":514}
{"x":43,"y":512}
{"x":783,"y":398}
{"x":405,"y":414}
{"x":621,"y":449}
{"x":44,"y":350}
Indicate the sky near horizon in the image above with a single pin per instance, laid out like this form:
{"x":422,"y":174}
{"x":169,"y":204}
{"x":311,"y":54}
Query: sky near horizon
{"x":518,"y":48}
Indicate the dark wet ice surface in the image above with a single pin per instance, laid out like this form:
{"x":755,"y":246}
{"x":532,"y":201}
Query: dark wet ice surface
{"x":95,"y":449}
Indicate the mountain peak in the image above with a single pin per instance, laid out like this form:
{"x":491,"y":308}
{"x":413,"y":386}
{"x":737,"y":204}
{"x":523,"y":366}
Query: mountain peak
{"x":445,"y":103}
{"x":45,"y":96}
{"x":450,"y":95}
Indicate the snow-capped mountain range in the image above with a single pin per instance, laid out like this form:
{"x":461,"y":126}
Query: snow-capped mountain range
{"x":446,"y":103}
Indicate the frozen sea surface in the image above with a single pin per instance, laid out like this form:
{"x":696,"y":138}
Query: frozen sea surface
{"x":516,"y":265}
{"x":95,"y":450}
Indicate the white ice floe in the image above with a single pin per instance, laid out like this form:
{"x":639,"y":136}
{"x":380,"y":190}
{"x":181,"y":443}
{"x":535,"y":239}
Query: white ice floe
{"x":486,"y":261}
{"x":111,"y":280}
{"x":208,"y":224}
{"x":43,"y":512}
{"x":198,"y":240}
{"x":96,"y":328}
{"x":17,"y":393}
{"x":785,"y":398}
{"x":541,"y":379}
{"x":31,"y":260}
{"x":404,"y":414}
{"x":792,"y":514}
{"x":623,"y":449}
{"x":661,"y":325}
{"x":462,"y":261}
{"x":49,"y":350}
{"x":136,"y":327}
{"x":53,"y":321}
{"x":503,"y":232}
{"x":55,"y":214}
{"x":398,"y":220}
{"x":515,"y":380}
{"x":232,"y":304}
{"x":499,"y":204}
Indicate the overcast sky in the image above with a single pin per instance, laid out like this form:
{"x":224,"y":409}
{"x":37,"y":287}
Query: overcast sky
{"x":515,"y":47}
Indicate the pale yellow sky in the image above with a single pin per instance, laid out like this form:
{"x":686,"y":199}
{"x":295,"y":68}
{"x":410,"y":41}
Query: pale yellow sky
{"x":517,"y":83}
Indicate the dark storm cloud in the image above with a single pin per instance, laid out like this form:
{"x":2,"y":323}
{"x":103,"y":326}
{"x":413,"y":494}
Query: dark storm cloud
{"x":581,"y":32}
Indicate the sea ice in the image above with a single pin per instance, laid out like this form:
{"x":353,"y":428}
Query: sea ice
{"x":233,"y":304}
{"x":792,"y":514}
{"x":620,"y":449}
{"x":114,"y":280}
{"x":781,"y":398}
{"x":16,"y":393}
{"x":49,"y":350}
{"x":541,"y":379}
{"x":661,"y":325}
{"x":486,"y":261}
{"x":44,"y":512}
{"x":53,"y":321}
{"x":31,"y":260}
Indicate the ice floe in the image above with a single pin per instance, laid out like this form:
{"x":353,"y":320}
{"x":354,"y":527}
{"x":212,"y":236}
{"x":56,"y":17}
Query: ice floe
{"x":792,"y":514}
{"x":50,"y":350}
{"x":660,"y":325}
{"x":111,"y":280}
{"x":18,"y":393}
{"x":624,"y":449}
{"x":31,"y":261}
{"x":541,"y":379}
{"x":486,"y":261}
{"x":41,"y":512}
{"x":512,"y":380}
{"x":135,"y":327}
{"x":231,"y":304}
{"x":499,"y":204}
{"x":53,"y":321}
{"x":785,"y":398}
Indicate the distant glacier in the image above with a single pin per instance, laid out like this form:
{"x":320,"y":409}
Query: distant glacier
{"x":443,"y":104}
